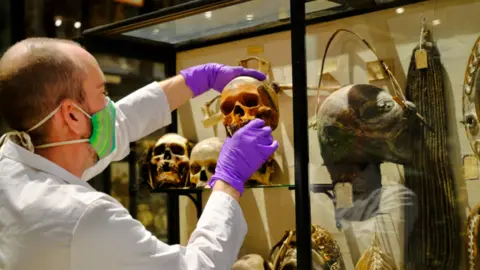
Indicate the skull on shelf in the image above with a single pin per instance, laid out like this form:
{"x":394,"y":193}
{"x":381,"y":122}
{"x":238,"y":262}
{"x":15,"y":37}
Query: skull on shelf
{"x":359,"y":127}
{"x":244,"y":99}
{"x":168,"y":161}
{"x":203,"y":161}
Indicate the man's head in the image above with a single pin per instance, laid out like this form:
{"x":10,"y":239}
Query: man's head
{"x":37,"y":75}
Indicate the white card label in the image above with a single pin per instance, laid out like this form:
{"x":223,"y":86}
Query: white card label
{"x":344,"y":195}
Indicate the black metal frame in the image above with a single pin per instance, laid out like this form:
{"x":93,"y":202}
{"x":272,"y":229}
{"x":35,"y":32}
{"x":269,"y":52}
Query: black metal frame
{"x":106,"y":38}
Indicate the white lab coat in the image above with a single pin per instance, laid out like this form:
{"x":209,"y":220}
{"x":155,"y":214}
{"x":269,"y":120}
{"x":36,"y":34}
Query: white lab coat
{"x":51,"y":219}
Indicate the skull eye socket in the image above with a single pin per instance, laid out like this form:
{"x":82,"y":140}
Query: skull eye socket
{"x":227,"y":107}
{"x":159,"y":150}
{"x":177,"y":149}
{"x":211,"y":167}
{"x":247,"y":99}
{"x":194,"y":168}
{"x":250,"y":100}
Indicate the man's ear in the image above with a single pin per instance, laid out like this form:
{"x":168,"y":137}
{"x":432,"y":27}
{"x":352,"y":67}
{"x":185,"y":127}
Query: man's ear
{"x":74,"y":119}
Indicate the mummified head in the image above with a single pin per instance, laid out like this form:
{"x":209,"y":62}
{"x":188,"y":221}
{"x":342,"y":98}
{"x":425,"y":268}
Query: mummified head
{"x":363,"y":124}
{"x":359,"y":127}
{"x":244,"y":99}
{"x":168,"y":161}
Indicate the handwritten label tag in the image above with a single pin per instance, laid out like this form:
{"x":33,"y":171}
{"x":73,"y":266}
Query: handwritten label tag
{"x":421,"y":59}
{"x":344,"y":195}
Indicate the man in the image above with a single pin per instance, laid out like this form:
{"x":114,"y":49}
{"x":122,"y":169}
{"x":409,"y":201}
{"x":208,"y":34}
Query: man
{"x":66,"y":130}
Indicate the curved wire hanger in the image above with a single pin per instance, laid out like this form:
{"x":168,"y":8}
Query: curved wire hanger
{"x":399,"y":97}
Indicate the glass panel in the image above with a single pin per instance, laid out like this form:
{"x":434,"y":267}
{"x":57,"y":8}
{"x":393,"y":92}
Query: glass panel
{"x":226,"y":20}
{"x":400,"y":148}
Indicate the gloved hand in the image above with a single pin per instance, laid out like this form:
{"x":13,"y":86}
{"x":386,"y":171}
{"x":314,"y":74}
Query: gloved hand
{"x":243,"y":154}
{"x":215,"y":76}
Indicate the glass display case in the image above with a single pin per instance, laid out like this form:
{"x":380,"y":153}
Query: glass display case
{"x":374,"y":105}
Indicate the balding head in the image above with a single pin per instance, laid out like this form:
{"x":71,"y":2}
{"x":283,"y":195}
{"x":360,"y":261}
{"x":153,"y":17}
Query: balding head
{"x":36,"y":74}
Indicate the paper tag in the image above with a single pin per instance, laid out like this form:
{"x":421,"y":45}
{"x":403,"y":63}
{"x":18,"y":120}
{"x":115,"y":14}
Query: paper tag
{"x":344,"y":195}
{"x":421,"y":59}
{"x":212,"y":120}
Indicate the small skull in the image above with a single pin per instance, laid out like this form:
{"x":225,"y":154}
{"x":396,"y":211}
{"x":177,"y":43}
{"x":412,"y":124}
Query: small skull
{"x":204,"y":160}
{"x":250,"y":262}
{"x":169,"y":161}
{"x":242,"y":100}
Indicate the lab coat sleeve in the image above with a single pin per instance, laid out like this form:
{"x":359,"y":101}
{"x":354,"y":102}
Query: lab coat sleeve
{"x":106,"y":237}
{"x":138,"y":114}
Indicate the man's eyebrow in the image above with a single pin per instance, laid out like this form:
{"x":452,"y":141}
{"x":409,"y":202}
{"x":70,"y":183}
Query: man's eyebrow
{"x":102,"y":84}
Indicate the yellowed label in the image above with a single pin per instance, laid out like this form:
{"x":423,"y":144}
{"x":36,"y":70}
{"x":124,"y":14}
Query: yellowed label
{"x":470,"y":167}
{"x":344,"y":195}
{"x":421,"y":59}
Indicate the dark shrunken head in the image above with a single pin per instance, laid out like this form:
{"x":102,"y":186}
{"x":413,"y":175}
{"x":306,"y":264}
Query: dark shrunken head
{"x":363,"y":124}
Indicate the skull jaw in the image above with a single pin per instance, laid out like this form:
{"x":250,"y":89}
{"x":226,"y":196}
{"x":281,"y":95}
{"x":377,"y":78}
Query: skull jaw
{"x":200,"y":179}
{"x":262,"y":176}
{"x":233,"y":124}
{"x":196,"y":182}
{"x":167,"y":179}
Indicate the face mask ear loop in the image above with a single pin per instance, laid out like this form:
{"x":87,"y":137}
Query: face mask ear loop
{"x":84,"y":112}
{"x":44,"y":119}
{"x":61,"y":143}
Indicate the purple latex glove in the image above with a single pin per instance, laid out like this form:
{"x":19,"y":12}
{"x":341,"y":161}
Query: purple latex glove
{"x":243,"y":154}
{"x":215,"y":76}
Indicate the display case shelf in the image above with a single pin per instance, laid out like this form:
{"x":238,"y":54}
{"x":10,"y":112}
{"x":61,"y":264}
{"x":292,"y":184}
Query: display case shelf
{"x":195,"y":190}
{"x":315,"y":188}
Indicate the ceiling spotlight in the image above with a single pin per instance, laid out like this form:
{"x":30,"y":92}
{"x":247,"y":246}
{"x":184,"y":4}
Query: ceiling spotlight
{"x":249,"y":17}
{"x":208,"y":14}
{"x":156,"y":31}
{"x":436,"y":22}
{"x":58,"y":22}
{"x":400,"y":10}
{"x":77,"y":25}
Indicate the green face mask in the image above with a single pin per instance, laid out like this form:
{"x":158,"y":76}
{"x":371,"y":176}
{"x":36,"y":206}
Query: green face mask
{"x":103,"y":130}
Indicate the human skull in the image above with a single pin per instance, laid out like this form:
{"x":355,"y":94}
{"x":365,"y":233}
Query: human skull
{"x":169,"y":161}
{"x":203,"y":161}
{"x":250,"y":262}
{"x":242,"y":100}
{"x":359,"y":127}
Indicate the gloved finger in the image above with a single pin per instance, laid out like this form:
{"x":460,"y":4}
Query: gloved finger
{"x":268,"y":150}
{"x":266,"y":131}
{"x":263,"y":132}
{"x":253,"y":73}
{"x":268,"y":140}
{"x":255,"y":123}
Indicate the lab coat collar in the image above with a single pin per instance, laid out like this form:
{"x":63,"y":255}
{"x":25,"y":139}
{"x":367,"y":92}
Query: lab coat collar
{"x":22,"y":155}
